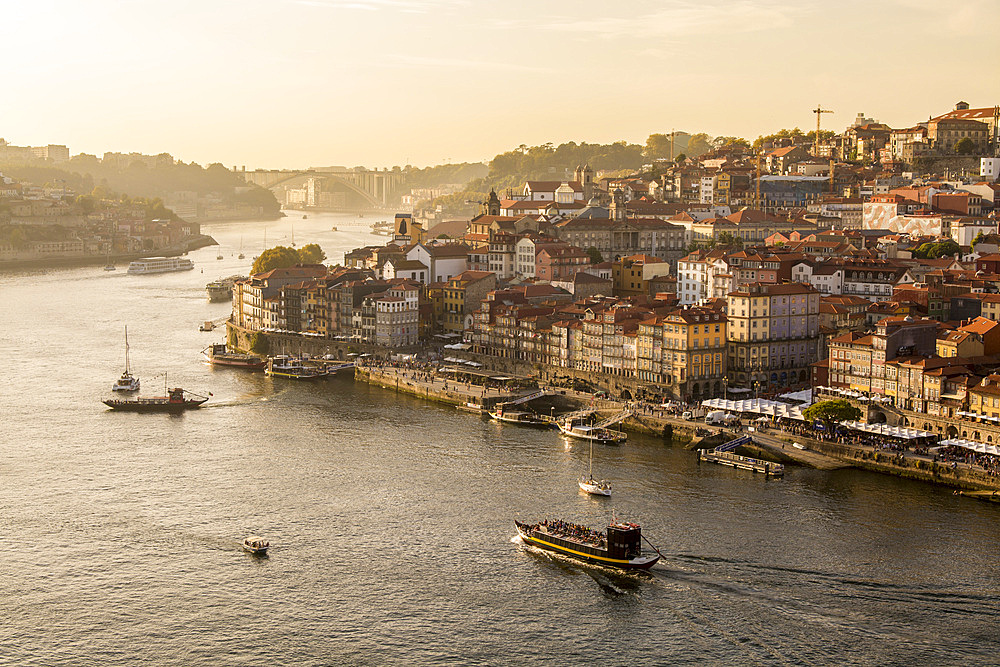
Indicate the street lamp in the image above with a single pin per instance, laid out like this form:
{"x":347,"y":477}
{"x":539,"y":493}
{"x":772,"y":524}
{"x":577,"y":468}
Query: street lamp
{"x":725,"y":384}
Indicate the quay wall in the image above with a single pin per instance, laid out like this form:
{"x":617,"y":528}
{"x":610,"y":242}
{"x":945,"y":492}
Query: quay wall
{"x":909,"y":468}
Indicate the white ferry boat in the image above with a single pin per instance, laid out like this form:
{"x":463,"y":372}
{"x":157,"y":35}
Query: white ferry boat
{"x":160,"y":265}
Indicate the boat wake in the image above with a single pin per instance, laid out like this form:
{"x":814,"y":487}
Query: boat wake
{"x":612,"y":583}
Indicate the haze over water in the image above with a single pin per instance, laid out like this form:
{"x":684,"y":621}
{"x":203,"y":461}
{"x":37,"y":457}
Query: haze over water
{"x":392,"y":518}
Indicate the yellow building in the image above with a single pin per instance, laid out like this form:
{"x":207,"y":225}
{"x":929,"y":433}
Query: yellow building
{"x":693,"y":353}
{"x":984,"y":399}
{"x":959,"y":344}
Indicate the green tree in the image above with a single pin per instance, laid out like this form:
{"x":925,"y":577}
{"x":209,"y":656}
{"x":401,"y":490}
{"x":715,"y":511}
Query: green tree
{"x":311,"y":253}
{"x":965,"y":146}
{"x":595,"y":255}
{"x":979,"y":237}
{"x":279,"y":257}
{"x":937,"y":250}
{"x":838,"y":410}
{"x":729,"y":239}
{"x":698,"y":144}
{"x":657,"y":146}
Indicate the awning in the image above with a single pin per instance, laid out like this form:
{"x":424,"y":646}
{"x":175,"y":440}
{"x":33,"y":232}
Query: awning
{"x":970,"y":444}
{"x":758,"y":406}
{"x":891,"y":431}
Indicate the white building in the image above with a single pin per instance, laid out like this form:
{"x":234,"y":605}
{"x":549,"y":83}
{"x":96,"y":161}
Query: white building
{"x":989,"y":168}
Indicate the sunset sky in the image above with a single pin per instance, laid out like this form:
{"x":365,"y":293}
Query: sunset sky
{"x":295,"y":83}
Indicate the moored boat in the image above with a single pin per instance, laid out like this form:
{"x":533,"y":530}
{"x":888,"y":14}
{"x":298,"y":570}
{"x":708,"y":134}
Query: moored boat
{"x":284,"y":366}
{"x":219,"y":355}
{"x":592,"y":433}
{"x":619,"y":546}
{"x":520,"y":417}
{"x":222,"y":289}
{"x":174,"y":401}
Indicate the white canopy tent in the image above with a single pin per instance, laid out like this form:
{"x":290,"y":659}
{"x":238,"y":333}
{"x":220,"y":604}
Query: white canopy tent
{"x":891,"y":431}
{"x":970,"y":444}
{"x":758,"y":406}
{"x":804,"y":396}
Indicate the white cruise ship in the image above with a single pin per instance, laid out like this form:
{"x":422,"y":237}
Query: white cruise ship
{"x":160,"y":265}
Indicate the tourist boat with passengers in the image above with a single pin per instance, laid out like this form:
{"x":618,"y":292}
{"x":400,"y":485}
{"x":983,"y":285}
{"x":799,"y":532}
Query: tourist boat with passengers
{"x":219,"y":355}
{"x":520,"y":417}
{"x":127,"y":382}
{"x":293,"y":368}
{"x":175,"y":401}
{"x":256,"y":545}
{"x":160,"y":265}
{"x":574,"y":429}
{"x":619,"y":546}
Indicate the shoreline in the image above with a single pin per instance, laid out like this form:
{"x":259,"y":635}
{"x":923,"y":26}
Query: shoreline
{"x":819,"y":455}
{"x":195,"y":243}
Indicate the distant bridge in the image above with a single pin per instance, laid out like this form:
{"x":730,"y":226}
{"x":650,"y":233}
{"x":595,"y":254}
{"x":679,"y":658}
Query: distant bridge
{"x":374,"y":187}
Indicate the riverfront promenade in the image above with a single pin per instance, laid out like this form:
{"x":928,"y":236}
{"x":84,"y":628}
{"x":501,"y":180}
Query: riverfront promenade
{"x":429,"y":381}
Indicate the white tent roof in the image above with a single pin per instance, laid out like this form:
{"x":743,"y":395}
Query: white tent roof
{"x":758,"y":406}
{"x":891,"y":431}
{"x":970,"y":444}
{"x":804,"y":396}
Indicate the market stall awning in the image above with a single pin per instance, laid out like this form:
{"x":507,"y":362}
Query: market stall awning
{"x":891,"y":431}
{"x":980,"y":447}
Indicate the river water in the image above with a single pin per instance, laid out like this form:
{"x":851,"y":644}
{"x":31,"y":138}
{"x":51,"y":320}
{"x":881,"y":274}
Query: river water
{"x":392,"y":518}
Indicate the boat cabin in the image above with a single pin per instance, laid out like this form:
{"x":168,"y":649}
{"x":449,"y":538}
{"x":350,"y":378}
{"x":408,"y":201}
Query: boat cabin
{"x":624,"y":540}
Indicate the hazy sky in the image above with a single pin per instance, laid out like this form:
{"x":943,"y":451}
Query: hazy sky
{"x":293,"y":83}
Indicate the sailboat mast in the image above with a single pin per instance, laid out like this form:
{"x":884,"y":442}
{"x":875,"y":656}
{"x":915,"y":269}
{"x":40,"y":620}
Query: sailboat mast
{"x":127,"y":368}
{"x":592,"y":459}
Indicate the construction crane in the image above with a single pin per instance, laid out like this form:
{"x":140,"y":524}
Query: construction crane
{"x":819,"y":111}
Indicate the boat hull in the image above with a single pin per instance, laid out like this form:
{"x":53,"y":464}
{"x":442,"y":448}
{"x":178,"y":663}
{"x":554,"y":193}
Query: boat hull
{"x":594,"y":489}
{"x":582,"y":552}
{"x":239,"y":363}
{"x":608,"y":438}
{"x":154,"y":405}
{"x":534,"y":422}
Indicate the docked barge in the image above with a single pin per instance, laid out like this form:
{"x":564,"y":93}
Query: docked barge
{"x":619,"y":546}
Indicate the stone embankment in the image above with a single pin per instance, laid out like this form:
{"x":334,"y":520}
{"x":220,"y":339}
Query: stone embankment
{"x":192,"y":243}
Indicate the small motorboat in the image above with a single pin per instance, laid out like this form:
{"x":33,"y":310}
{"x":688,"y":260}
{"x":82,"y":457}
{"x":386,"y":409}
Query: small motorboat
{"x":256,"y":545}
{"x":207,"y":325}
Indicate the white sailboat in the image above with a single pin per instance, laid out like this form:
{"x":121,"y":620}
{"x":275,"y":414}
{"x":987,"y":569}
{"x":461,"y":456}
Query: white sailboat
{"x":127,"y":382}
{"x":591,"y":485}
{"x":242,"y":256}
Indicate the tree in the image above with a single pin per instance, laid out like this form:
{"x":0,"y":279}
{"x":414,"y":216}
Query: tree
{"x":979,"y":239}
{"x":965,"y":146}
{"x":838,"y":410}
{"x":657,"y":146}
{"x":311,"y":254}
{"x":937,"y":250}
{"x":280,"y":257}
{"x":595,"y":255}
{"x":699,"y":144}
{"x":728,"y":238}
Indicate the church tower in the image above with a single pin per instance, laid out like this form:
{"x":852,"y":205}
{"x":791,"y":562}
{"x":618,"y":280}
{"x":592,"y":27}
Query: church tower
{"x":492,"y":204}
{"x":618,"y":205}
{"x":586,"y":179}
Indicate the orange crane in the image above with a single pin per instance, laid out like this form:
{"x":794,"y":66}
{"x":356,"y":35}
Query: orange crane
{"x":819,"y":111}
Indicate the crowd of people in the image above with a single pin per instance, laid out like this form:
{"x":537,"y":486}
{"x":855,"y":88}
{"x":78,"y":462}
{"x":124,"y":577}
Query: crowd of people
{"x":572,"y":531}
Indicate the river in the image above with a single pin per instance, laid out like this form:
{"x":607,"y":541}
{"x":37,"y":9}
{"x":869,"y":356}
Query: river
{"x":392,"y":518}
